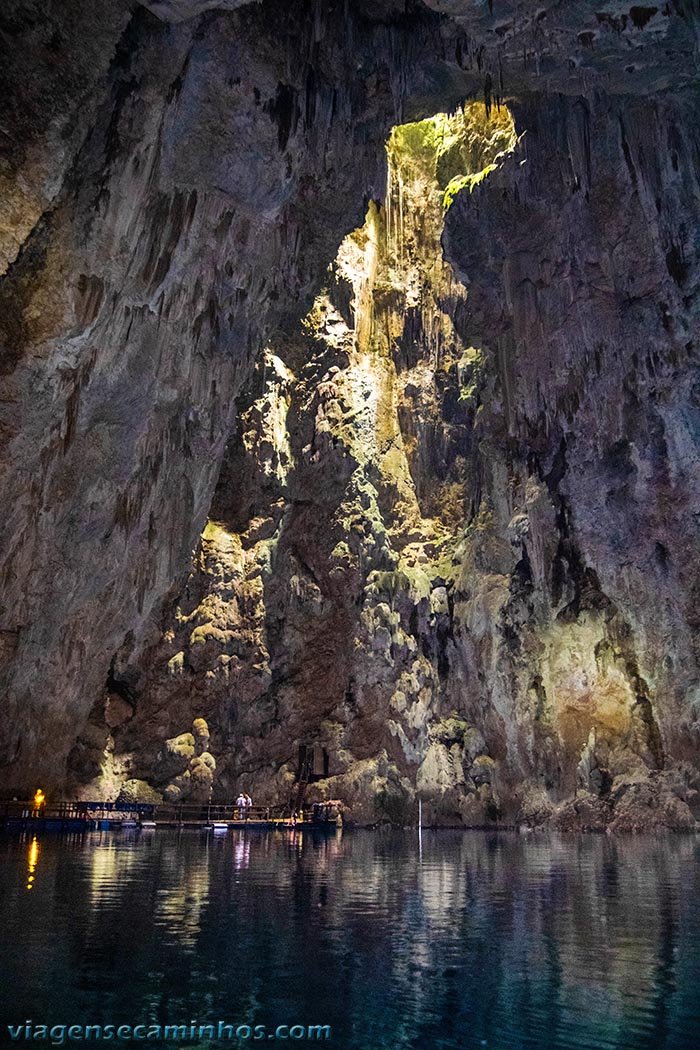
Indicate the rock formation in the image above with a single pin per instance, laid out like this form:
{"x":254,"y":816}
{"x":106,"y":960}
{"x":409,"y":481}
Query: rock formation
{"x":451,"y":482}
{"x":177,"y":192}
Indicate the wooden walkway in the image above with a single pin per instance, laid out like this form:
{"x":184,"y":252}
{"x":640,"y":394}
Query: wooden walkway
{"x":77,"y":816}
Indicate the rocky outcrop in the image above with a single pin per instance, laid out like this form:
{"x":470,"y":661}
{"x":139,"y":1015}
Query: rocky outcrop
{"x":452,"y":537}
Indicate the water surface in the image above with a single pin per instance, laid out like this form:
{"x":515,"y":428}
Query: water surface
{"x":481,"y":940}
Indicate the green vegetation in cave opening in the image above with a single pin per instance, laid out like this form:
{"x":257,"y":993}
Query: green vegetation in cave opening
{"x":451,"y":151}
{"x":394,"y":262}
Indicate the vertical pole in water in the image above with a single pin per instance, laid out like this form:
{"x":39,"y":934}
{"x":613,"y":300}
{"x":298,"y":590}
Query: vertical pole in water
{"x":420,"y":828}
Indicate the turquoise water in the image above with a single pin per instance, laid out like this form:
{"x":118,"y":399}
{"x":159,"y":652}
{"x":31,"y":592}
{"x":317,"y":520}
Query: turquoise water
{"x":481,"y":940}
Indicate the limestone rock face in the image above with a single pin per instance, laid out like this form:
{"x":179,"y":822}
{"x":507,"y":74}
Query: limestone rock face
{"x":320,"y":607}
{"x":139,"y":792}
{"x":415,"y":554}
{"x":175,"y":192}
{"x":581,"y":294}
{"x":181,"y":10}
{"x":445,"y":526}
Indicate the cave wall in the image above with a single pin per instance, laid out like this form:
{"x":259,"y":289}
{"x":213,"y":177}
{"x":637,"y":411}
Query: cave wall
{"x":583,"y":289}
{"x":317,"y":610}
{"x":453,"y":539}
{"x":486,"y":587}
{"x":180,"y":197}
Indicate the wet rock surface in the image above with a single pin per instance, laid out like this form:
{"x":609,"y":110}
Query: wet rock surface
{"x":452,"y":514}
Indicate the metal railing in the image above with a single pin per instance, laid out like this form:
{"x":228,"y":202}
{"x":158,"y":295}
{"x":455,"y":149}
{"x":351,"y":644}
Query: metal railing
{"x":16,"y":810}
{"x":211,"y":813}
{"x":179,"y":813}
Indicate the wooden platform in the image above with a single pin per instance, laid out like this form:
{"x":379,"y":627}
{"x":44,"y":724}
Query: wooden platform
{"x":243,"y":825}
{"x":112,"y":816}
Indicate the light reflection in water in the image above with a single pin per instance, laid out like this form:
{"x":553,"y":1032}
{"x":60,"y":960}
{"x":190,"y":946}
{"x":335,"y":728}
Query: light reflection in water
{"x":487,"y":940}
{"x":241,"y":851}
{"x":182,"y":896}
{"x":111,"y":868}
{"x":32,"y":861}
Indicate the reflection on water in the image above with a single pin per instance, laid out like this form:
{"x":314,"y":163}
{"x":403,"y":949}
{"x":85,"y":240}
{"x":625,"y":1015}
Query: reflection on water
{"x":32,"y":861}
{"x":483,"y":940}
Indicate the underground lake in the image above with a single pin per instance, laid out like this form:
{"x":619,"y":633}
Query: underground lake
{"x":378,"y":940}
